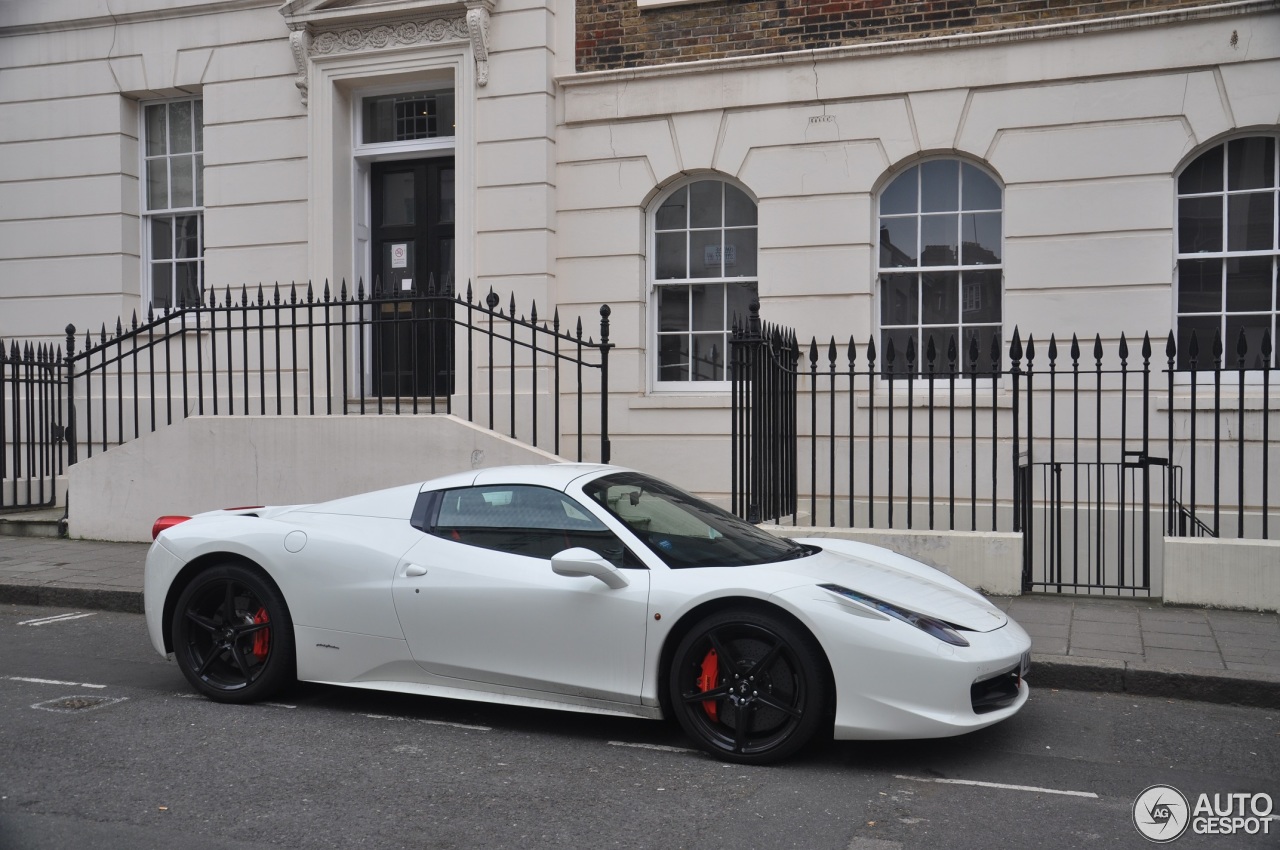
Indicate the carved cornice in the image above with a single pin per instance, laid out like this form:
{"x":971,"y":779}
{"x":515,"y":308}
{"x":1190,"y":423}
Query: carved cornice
{"x":379,"y":36}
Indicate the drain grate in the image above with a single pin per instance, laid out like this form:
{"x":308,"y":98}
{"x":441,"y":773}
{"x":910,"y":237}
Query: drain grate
{"x":71,"y":704}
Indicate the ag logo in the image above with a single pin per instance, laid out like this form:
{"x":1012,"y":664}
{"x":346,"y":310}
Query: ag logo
{"x":1161,"y":813}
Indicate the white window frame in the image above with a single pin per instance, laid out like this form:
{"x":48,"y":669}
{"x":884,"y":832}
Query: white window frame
{"x":148,"y":215}
{"x":656,"y":384}
{"x":1205,"y":358}
{"x":941,"y":362}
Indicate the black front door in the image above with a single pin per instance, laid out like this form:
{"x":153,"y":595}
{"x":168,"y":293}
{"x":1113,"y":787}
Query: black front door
{"x":412,"y":240}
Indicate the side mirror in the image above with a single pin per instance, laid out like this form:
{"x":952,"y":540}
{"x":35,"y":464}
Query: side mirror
{"x":578,"y":562}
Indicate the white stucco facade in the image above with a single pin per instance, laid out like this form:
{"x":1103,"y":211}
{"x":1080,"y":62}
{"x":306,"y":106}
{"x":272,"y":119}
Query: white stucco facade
{"x":1084,"y":127}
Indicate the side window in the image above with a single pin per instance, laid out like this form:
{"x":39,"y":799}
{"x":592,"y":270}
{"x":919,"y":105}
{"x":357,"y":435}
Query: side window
{"x":703,"y":274}
{"x":1228,"y":249}
{"x":523,"y":520}
{"x":941,"y":267}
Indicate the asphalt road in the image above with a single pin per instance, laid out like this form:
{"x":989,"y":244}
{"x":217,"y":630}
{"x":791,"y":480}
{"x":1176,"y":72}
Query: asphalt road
{"x":104,"y":745}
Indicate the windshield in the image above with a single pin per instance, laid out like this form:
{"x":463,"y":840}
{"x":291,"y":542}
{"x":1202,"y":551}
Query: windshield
{"x":685,"y":531}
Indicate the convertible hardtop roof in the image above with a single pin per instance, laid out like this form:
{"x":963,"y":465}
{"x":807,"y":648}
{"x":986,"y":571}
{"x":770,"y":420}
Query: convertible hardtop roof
{"x":555,"y":475}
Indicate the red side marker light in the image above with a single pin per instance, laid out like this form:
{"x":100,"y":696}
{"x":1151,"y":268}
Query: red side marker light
{"x":166,"y":522}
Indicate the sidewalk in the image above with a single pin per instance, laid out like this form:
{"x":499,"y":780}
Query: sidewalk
{"x":1134,"y":646}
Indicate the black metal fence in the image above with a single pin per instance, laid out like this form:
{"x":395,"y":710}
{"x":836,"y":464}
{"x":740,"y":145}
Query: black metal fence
{"x":293,"y":352}
{"x":32,"y":416}
{"x":1093,"y":452}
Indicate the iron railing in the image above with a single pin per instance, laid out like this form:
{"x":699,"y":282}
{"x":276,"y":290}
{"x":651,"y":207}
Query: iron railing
{"x":1060,"y":443}
{"x":292,"y":353}
{"x":31,"y":425}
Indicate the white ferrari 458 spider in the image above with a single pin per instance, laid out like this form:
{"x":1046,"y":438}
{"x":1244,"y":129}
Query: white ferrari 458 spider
{"x":586,"y":588}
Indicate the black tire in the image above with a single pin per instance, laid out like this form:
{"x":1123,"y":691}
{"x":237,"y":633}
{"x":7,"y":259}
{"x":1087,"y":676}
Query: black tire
{"x":748,"y":687}
{"x":232,"y":635}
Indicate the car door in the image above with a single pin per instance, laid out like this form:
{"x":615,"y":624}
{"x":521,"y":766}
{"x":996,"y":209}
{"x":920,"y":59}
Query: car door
{"x":478,"y":600}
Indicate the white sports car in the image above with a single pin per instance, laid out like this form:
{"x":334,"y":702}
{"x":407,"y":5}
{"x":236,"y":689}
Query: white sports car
{"x":586,"y":588}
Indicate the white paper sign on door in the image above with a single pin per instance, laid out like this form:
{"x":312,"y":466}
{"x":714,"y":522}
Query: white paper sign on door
{"x":400,"y":256}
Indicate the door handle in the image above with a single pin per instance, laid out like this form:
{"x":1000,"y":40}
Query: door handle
{"x":413,"y":570}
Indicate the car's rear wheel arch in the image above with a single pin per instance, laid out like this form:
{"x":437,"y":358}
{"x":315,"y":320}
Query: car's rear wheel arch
{"x":696,"y":615}
{"x":188,"y":574}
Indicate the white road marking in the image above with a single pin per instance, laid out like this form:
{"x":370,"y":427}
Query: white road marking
{"x":428,"y":722}
{"x":58,"y":705}
{"x":44,"y":621}
{"x":278,"y":705}
{"x":1001,"y":785}
{"x":662,"y":748}
{"x":52,"y":682}
{"x":189,"y":695}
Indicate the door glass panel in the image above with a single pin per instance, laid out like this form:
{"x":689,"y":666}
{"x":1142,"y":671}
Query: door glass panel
{"x":398,"y":198}
{"x":446,"y":196}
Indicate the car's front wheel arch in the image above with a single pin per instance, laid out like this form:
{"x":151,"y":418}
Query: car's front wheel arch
{"x":690,"y":620}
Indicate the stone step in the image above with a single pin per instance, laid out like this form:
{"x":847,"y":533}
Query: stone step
{"x":49,"y":522}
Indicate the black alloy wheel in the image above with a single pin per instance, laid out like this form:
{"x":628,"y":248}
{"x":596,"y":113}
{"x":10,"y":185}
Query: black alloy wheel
{"x":748,"y":687}
{"x":232,"y":635}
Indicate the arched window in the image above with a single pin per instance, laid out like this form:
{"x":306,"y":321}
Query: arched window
{"x":940,"y":266}
{"x":703,"y":274}
{"x":1228,"y":243}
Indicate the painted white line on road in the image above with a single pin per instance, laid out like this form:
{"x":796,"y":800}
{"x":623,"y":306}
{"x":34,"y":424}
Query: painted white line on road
{"x":44,"y":621}
{"x":51,"y":682}
{"x":189,"y":695}
{"x":1088,"y":794}
{"x":428,"y":722}
{"x":278,"y":705}
{"x":662,"y":748}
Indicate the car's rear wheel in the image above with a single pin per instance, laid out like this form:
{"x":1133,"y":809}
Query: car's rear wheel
{"x":232,"y":635}
{"x":748,"y":686}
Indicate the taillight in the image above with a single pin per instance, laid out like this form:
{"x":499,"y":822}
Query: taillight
{"x":166,"y":522}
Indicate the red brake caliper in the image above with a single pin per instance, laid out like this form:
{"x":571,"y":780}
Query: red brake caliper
{"x":262,"y":638}
{"x":707,"y":681}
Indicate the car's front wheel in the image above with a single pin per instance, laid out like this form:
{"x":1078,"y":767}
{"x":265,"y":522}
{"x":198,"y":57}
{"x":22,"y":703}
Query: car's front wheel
{"x":748,"y":686}
{"x":232,"y":635}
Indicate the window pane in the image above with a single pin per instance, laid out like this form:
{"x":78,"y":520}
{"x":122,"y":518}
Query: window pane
{"x":162,"y":286}
{"x":899,"y":299}
{"x":408,"y":116}
{"x":989,"y":346}
{"x":940,"y":186}
{"x":705,"y":204}
{"x":897,"y":242}
{"x":939,"y":240}
{"x":1199,"y":286}
{"x":740,"y":253}
{"x":200,"y":180}
{"x":1251,"y":163}
{"x":180,"y":135}
{"x":939,"y":301}
{"x":157,"y":119}
{"x":893,"y":350}
{"x":980,"y":191}
{"x":161,"y":238}
{"x":1251,"y":222}
{"x":708,"y":357}
{"x":1253,"y":327}
{"x":900,"y":195}
{"x":705,"y":253}
{"x":671,"y":263}
{"x":1204,"y":174}
{"x":187,"y":236}
{"x":673,"y":358}
{"x":198,"y":120}
{"x":738,"y":297}
{"x":673,"y":308}
{"x":980,"y":297}
{"x":158,"y":184}
{"x":708,"y":307}
{"x":739,"y":210}
{"x":672,"y":215}
{"x":1204,"y":329}
{"x":1249,"y":286}
{"x":981,"y":245}
{"x":182,"y":172}
{"x":187,"y":283}
{"x":1199,"y":224}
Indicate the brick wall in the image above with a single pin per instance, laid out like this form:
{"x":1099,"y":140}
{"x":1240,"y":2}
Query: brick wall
{"x":617,"y":34}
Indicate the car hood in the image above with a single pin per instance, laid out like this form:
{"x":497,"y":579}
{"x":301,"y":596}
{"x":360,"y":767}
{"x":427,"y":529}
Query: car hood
{"x":897,"y":579}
